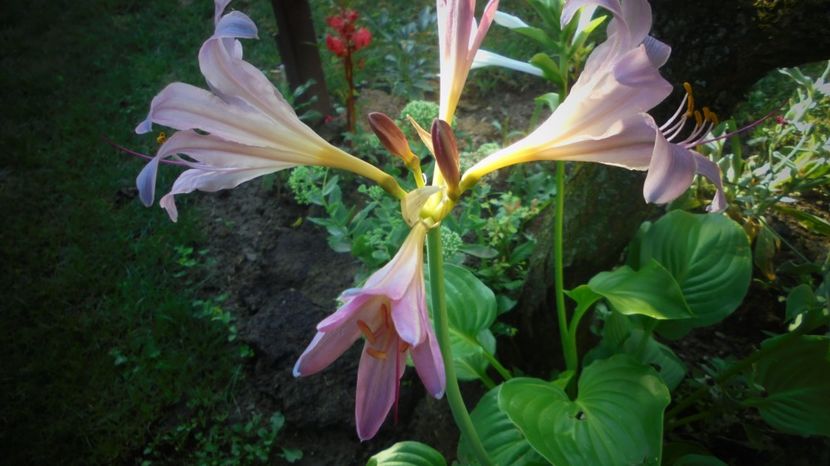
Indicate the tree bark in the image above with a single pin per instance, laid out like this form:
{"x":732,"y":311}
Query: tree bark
{"x":297,"y":45}
{"x":722,"y":48}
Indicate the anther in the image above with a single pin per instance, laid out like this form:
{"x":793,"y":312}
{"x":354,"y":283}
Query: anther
{"x":690,"y":103}
{"x":698,"y":118}
{"x":161,"y":138}
{"x":367,"y":332}
{"x":379,"y":355}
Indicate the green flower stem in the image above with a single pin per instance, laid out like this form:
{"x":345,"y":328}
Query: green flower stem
{"x":442,"y":333}
{"x":733,"y":370}
{"x":568,"y":341}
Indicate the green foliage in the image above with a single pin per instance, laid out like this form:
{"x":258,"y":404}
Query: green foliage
{"x":211,"y":439}
{"x":501,"y":439}
{"x":471,"y":309}
{"x":423,"y":112}
{"x":651,"y":291}
{"x":708,"y":255}
{"x":795,"y":386}
{"x":408,"y":453}
{"x":616,"y":418}
{"x":409,"y":53}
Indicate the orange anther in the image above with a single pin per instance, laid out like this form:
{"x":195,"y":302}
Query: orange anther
{"x":367,"y":332}
{"x":379,"y":355}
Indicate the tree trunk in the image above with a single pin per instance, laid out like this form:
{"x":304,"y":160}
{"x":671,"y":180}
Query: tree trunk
{"x":722,"y":48}
{"x":297,"y":44}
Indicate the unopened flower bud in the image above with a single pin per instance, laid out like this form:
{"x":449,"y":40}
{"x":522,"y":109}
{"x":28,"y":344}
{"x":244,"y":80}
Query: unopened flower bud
{"x":446,"y":154}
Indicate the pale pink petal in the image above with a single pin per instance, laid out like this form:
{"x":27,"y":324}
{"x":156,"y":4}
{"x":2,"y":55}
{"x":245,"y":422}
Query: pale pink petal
{"x":480,"y":32}
{"x":572,"y":6}
{"x":429,"y":365}
{"x":211,"y":180}
{"x":146,"y":181}
{"x":628,"y":144}
{"x":213,"y":151}
{"x":325,"y":348}
{"x":658,"y":52}
{"x":395,"y":277}
{"x":407,"y":312}
{"x":219,"y":8}
{"x":670,"y":174}
{"x":637,"y":18}
{"x":182,"y":106}
{"x":377,"y":384}
{"x":711,"y":171}
{"x":362,"y":306}
{"x":236,"y":25}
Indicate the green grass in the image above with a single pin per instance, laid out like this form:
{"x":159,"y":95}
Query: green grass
{"x":100,"y":336}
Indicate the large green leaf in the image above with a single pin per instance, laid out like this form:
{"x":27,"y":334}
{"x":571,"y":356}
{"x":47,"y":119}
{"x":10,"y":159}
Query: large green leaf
{"x":796,"y":382}
{"x":708,"y":255}
{"x":408,"y":453}
{"x":660,"y":357}
{"x":616,"y":419}
{"x":502,"y":440}
{"x":649,"y":291}
{"x":471,"y":310}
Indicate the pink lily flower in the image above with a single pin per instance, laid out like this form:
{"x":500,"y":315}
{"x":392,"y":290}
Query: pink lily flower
{"x":602,"y":120}
{"x":252,"y":130}
{"x":458,"y":41}
{"x":389,"y":311}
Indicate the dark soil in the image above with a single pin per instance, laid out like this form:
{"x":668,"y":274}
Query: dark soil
{"x":281,"y":280}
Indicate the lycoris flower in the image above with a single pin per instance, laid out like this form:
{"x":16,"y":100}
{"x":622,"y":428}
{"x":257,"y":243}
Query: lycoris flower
{"x":252,"y":130}
{"x":389,"y":311}
{"x":458,"y":41}
{"x":602,"y":119}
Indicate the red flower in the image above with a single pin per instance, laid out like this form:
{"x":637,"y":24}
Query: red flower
{"x":350,"y":16}
{"x":335,"y":22}
{"x":362,"y":38}
{"x":336,"y":45}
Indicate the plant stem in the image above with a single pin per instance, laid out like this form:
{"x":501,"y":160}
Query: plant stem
{"x":442,"y":334}
{"x":568,"y":343}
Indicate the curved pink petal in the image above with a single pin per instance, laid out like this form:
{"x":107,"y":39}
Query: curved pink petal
{"x":377,"y":387}
{"x":211,"y":180}
{"x":325,"y":348}
{"x":362,"y":306}
{"x":429,"y":365}
{"x":711,"y":171}
{"x":407,"y":312}
{"x":183,"y":107}
{"x":670,"y":173}
{"x":394,"y":278}
{"x":146,"y":181}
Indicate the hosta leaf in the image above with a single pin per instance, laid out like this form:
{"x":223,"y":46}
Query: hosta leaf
{"x":616,"y":419}
{"x":708,"y":255}
{"x":408,"y":453}
{"x":796,"y":382}
{"x":649,"y":291}
{"x":660,"y":357}
{"x":502,"y":440}
{"x":471,"y":310}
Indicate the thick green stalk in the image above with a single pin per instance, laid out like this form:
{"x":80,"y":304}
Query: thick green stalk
{"x":442,"y":334}
{"x":568,"y":342}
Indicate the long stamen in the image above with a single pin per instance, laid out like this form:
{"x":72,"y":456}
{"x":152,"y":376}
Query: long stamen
{"x":676,"y":129}
{"x":140,"y":155}
{"x":745,"y":128}
{"x":677,"y":113}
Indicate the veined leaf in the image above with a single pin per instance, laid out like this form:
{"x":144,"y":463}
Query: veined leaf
{"x":408,"y":453}
{"x":616,"y":419}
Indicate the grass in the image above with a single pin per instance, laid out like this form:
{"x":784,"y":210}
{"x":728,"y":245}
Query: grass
{"x":100,"y":335}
